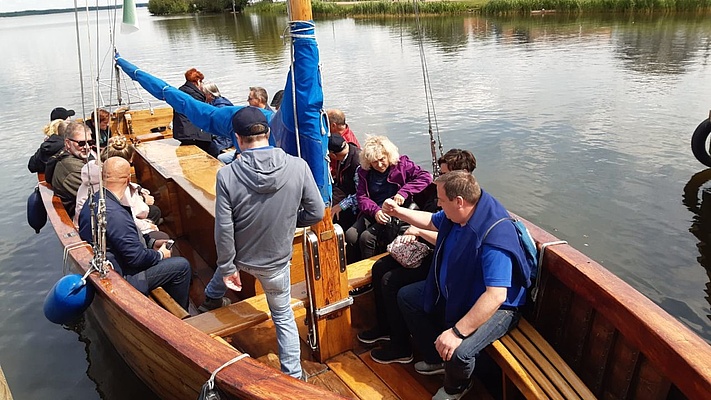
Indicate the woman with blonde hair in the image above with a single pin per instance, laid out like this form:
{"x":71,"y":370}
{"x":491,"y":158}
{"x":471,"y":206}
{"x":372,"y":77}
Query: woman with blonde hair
{"x":383,"y":174}
{"x":53,"y":144}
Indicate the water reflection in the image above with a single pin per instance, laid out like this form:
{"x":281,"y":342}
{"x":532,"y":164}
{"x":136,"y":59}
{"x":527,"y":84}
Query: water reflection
{"x":701,"y":223}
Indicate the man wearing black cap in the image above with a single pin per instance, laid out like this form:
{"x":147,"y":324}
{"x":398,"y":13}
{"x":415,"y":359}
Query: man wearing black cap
{"x":345,"y":159}
{"x":60,"y":113}
{"x":262,"y":196}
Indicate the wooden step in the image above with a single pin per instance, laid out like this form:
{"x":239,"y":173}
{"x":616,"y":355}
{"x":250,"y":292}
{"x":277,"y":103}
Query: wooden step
{"x":359,"y":378}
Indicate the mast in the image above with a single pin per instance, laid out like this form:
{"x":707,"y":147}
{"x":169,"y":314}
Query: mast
{"x":324,"y":244}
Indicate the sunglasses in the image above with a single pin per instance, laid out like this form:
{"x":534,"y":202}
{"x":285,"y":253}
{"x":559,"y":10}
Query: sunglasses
{"x":82,"y":143}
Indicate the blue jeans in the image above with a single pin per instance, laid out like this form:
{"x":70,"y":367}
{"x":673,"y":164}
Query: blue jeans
{"x":426,"y":327}
{"x":173,"y":274}
{"x":227,"y":157}
{"x":276,"y":283}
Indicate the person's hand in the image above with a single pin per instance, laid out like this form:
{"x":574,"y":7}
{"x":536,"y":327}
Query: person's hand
{"x":405,"y":238}
{"x":336,"y":210}
{"x":390,"y":207}
{"x":159,"y":243}
{"x":149,"y":199}
{"x":446,"y":343}
{"x":166,"y":253}
{"x":381,"y":217}
{"x":233,"y":282}
{"x":412,"y":230}
{"x":399,"y":199}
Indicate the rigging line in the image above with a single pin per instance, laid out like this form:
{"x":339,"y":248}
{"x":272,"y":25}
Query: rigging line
{"x":429,"y":100}
{"x":81,"y":70}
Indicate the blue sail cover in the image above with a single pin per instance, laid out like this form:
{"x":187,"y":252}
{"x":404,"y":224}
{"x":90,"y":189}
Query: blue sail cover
{"x":308,"y":97}
{"x":216,"y":120}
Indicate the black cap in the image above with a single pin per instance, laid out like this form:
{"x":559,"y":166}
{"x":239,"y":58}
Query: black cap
{"x":250,"y":121}
{"x":60,"y":113}
{"x":336,"y":143}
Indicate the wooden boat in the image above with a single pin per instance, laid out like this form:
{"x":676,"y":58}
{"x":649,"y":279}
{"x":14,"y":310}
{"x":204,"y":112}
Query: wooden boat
{"x":589,"y":335}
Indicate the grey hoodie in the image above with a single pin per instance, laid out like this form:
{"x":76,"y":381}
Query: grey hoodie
{"x":261,"y":198}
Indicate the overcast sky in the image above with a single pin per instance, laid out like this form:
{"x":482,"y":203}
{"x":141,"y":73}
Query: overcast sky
{"x":22,"y":5}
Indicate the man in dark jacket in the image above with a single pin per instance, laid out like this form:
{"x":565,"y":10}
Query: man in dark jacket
{"x":183,"y":129}
{"x":345,"y":159}
{"x":144,"y":268}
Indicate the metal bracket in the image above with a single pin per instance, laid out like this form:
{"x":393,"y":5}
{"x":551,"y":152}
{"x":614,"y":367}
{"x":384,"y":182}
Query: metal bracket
{"x":331,"y":308}
{"x":541,"y":253}
{"x":311,"y":256}
{"x":341,"y":239}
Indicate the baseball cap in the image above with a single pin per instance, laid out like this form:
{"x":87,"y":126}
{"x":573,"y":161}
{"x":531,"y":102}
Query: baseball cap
{"x":60,"y":113}
{"x":250,"y":121}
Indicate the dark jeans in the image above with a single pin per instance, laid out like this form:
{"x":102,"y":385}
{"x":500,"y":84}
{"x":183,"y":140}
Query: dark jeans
{"x":388,"y":278}
{"x":363,"y":236}
{"x":173,"y":274}
{"x":154,"y":213}
{"x":426,"y":327}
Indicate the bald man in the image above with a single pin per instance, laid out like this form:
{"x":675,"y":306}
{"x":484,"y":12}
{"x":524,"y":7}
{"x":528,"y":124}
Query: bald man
{"x":144,"y":268}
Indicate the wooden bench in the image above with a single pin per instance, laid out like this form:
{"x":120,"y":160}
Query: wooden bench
{"x":530,"y":363}
{"x":160,"y":296}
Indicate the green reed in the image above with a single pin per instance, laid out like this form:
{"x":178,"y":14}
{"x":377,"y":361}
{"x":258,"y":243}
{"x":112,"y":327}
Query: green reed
{"x":574,"y":6}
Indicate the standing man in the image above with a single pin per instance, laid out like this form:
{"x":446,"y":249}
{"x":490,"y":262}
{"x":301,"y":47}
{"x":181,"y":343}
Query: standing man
{"x":337,"y":124}
{"x":183,"y":129}
{"x":261,"y":198}
{"x":472,"y":293}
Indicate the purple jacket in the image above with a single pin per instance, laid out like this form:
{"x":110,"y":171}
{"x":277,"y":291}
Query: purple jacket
{"x":409,"y":177}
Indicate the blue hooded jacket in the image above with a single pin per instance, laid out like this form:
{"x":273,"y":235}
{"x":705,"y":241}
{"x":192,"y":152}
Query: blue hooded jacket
{"x":466,"y":258}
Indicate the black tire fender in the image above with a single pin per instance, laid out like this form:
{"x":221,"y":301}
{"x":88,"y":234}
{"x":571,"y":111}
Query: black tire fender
{"x":698,"y":142}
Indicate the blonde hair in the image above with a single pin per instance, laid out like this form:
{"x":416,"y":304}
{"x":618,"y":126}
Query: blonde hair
{"x":55,"y":127}
{"x":377,"y":147}
{"x":118,"y":146}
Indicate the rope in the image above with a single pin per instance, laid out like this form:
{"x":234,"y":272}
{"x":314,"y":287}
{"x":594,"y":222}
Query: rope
{"x":431,"y":113}
{"x":211,"y":382}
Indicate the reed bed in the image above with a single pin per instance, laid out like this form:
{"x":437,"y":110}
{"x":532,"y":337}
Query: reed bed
{"x":495,"y":7}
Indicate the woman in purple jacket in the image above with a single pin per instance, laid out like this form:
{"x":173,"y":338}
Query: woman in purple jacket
{"x":383,"y":174}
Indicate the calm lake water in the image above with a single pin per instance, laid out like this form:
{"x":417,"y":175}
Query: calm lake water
{"x":581,"y":125}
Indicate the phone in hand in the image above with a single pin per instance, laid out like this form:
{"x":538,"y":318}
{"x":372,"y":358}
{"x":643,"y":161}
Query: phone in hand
{"x":169,"y":244}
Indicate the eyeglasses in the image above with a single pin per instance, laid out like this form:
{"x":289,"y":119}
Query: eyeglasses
{"x":83,"y":143}
{"x":250,"y":98}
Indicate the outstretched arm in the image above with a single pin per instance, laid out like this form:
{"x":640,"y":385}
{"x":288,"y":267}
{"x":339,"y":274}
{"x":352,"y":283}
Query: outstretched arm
{"x":420,"y":219}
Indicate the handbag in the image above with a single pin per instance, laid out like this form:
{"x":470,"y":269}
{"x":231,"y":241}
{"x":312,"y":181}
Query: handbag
{"x":409,"y":254}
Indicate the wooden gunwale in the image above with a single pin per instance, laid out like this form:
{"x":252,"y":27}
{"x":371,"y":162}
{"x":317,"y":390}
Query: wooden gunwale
{"x":672,"y":348}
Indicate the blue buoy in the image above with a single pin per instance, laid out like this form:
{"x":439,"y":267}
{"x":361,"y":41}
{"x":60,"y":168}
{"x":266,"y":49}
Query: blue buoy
{"x":36,"y":213}
{"x":68,"y":299}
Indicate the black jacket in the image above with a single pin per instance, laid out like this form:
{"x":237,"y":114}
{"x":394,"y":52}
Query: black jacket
{"x":344,"y":175}
{"x":183,"y":129}
{"x":103,"y":134}
{"x":53,"y":145}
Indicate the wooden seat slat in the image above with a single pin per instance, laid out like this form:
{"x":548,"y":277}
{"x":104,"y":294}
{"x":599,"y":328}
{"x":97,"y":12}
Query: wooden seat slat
{"x":532,"y":368}
{"x":515,"y":371}
{"x":359,"y":273}
{"x":555,"y":360}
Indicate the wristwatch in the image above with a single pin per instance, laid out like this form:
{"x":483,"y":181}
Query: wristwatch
{"x":457,"y":333}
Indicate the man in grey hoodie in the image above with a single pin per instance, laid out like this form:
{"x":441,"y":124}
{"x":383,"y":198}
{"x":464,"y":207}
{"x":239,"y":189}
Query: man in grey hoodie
{"x":261,"y":198}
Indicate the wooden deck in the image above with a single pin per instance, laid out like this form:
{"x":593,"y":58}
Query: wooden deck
{"x":4,"y":387}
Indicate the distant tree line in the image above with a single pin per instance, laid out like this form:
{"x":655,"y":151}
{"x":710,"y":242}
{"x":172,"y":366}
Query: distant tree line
{"x":160,"y":7}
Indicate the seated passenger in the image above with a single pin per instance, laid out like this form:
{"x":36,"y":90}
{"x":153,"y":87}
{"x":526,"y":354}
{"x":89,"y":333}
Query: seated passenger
{"x":383,"y":174}
{"x":337,"y":124}
{"x":66,"y":167}
{"x":104,"y":132}
{"x":389,"y":277}
{"x":183,"y":129}
{"x":276,"y":100}
{"x":259,"y":98}
{"x":214,"y":97}
{"x":53,"y":144}
{"x":61,"y":113}
{"x":347,"y":157}
{"x":144,"y":268}
{"x":145,"y":213}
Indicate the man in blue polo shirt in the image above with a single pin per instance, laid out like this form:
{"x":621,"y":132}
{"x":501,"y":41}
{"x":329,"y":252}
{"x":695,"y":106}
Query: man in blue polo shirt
{"x":471,"y":296}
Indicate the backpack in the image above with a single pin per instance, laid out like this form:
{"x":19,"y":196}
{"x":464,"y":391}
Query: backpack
{"x":530,"y":270}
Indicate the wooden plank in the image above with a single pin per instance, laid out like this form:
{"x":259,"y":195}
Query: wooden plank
{"x":398,"y":379}
{"x":576,"y":328}
{"x":550,"y":388}
{"x":4,"y":387}
{"x":167,"y":302}
{"x":354,"y":373}
{"x":514,"y":371}
{"x":552,"y":308}
{"x":597,"y":352}
{"x":241,"y":315}
{"x":555,"y":359}
{"x":650,"y":384}
{"x":621,"y":369}
{"x":359,"y":273}
{"x":318,"y":374}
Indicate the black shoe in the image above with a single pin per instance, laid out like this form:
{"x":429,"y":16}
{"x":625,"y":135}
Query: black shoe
{"x":212,"y":304}
{"x":387,"y":355}
{"x":372,"y":336}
